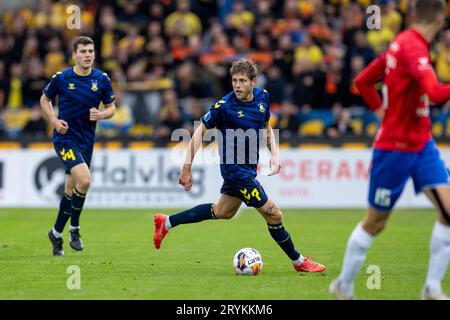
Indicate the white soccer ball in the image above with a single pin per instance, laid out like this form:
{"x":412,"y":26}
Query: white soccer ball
{"x":247,"y":261}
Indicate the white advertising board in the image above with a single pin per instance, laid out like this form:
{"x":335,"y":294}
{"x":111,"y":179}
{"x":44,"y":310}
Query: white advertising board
{"x":334,"y":178}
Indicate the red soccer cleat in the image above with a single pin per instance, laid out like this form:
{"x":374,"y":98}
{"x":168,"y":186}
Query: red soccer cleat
{"x":160,"y":229}
{"x":308,"y":265}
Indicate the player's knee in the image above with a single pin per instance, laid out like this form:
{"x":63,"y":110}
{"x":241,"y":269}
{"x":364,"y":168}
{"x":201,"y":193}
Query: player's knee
{"x":374,"y":226}
{"x":273,"y":214}
{"x":445,"y":214}
{"x":277,"y":215}
{"x":83,"y":184}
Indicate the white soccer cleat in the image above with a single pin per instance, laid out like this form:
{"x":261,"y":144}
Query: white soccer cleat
{"x":427,"y":295}
{"x":338,"y":293}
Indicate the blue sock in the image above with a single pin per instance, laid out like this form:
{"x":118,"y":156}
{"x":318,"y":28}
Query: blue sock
{"x":77,"y":205}
{"x":282,"y":237}
{"x":63,"y":213}
{"x":193,"y":215}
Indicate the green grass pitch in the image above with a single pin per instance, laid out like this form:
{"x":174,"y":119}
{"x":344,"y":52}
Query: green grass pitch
{"x":195,"y":261}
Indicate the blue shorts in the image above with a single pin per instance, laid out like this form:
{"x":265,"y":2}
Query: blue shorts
{"x":72,"y":154}
{"x":391,"y":169}
{"x":249,"y":191}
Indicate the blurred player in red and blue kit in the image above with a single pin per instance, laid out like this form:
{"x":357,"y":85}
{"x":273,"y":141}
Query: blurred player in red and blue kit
{"x":404,"y":146}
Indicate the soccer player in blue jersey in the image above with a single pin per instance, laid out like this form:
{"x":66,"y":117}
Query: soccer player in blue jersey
{"x":245,"y":109}
{"x":80,"y":90}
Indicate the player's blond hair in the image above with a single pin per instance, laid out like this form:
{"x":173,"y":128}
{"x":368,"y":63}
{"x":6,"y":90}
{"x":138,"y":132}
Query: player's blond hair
{"x":244,"y":66}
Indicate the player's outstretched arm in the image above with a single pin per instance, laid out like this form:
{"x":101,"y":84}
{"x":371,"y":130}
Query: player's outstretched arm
{"x":60,"y":126}
{"x":274,"y":151}
{"x":185,"y":178}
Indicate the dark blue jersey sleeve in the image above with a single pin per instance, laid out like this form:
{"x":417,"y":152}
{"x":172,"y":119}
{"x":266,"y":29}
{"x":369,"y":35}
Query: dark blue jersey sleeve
{"x":214,"y":116}
{"x":107,"y":94}
{"x":51,"y":90}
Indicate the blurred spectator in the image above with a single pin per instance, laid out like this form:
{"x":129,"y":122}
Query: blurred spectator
{"x":55,"y":59}
{"x":34,"y":83}
{"x":106,"y":39}
{"x":193,"y":115}
{"x":390,"y":17}
{"x":3,"y":85}
{"x":320,"y":30}
{"x":309,"y":85}
{"x":391,"y":21}
{"x":122,"y":121}
{"x":31,"y":48}
{"x":289,"y":23}
{"x":309,"y":51}
{"x":170,"y":116}
{"x":19,"y":36}
{"x":156,"y":13}
{"x":182,"y":22}
{"x":132,"y":43}
{"x":284,"y":56}
{"x":189,"y":82}
{"x":2,"y":125}
{"x":276,"y":86}
{"x":443,"y":57}
{"x":131,"y":15}
{"x":15,"y":98}
{"x":352,"y":97}
{"x":219,"y":51}
{"x":263,"y":9}
{"x":288,"y":120}
{"x":341,"y":126}
{"x":36,"y":126}
{"x":157,"y":53}
{"x":5,"y":48}
{"x":361,"y":48}
{"x":351,"y":20}
{"x":240,"y":19}
{"x":335,"y":88}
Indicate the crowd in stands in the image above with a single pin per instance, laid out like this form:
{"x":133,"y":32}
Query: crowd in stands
{"x":169,"y":61}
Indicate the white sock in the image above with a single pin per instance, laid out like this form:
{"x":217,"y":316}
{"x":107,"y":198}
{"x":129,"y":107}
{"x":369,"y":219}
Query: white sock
{"x":56,"y":233}
{"x":73,"y":228}
{"x":439,"y":257}
{"x":358,"y":244}
{"x":168,"y":225}
{"x":299,"y":260}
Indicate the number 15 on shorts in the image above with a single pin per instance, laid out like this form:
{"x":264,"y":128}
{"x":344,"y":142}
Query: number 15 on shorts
{"x":383,"y":197}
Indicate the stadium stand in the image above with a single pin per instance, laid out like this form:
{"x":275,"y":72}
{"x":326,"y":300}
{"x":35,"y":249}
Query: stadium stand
{"x":169,"y":61}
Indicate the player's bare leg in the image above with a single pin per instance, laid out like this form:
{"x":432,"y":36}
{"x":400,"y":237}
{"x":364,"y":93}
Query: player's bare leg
{"x":55,"y":235}
{"x":69,"y":185}
{"x":226,"y":208}
{"x":359,"y":242}
{"x":82,"y":178}
{"x":274,"y":218}
{"x":439,"y":244}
